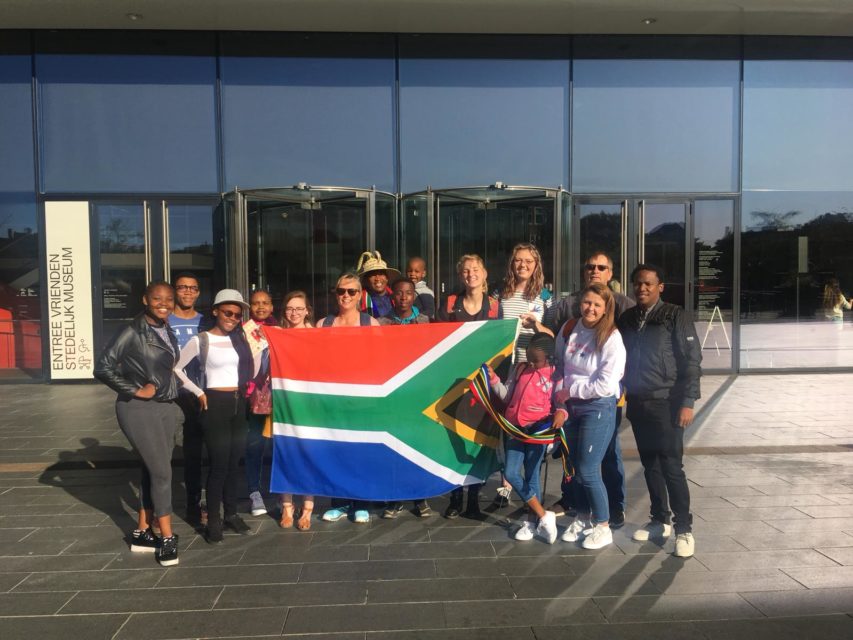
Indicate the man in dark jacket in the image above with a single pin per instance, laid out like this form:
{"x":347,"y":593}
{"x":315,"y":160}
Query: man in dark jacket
{"x":597,"y":268}
{"x":662,"y":382}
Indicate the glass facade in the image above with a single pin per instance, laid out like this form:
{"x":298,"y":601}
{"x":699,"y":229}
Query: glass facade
{"x":20,"y":286}
{"x":729,"y":160}
{"x":797,"y":210}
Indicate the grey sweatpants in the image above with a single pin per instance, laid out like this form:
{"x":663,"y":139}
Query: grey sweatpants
{"x":150,"y":427}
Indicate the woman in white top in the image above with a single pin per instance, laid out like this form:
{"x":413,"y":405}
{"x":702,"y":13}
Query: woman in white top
{"x":524,"y":295}
{"x":834,"y":302}
{"x":227,"y":367}
{"x":590,"y":365}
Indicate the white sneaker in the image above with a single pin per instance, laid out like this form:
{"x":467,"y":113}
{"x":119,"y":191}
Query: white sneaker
{"x":258,"y":506}
{"x":547,"y":527}
{"x":652,"y":529}
{"x":684,"y":545}
{"x":575,"y":531}
{"x":525,"y":531}
{"x":599,"y":537}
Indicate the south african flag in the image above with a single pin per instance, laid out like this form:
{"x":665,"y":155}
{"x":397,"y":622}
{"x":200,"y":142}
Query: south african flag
{"x":382,"y":413}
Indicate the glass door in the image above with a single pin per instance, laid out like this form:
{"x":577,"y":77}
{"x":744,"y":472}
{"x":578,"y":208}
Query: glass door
{"x":662,"y":241}
{"x":489,"y":221}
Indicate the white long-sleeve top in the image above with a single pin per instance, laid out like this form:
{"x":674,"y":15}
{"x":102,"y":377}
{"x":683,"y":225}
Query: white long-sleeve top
{"x":587,"y":372}
{"x":221,"y":368}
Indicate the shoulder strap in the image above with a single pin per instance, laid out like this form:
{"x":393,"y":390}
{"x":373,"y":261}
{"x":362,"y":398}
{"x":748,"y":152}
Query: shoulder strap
{"x":570,"y":325}
{"x":328,"y":320}
{"x":451,"y":301}
{"x":203,"y":346}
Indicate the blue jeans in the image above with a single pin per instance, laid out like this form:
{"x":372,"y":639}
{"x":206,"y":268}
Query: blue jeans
{"x":589,"y":433}
{"x":528,"y":457}
{"x":255,"y":445}
{"x":612,"y":469}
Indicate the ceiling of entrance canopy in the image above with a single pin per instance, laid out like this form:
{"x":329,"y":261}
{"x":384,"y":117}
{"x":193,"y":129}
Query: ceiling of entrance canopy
{"x":770,"y":17}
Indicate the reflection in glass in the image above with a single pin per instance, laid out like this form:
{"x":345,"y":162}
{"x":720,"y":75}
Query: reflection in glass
{"x":792,"y":243}
{"x":664,"y":246}
{"x":713,"y":280}
{"x":414,"y":219}
{"x":191,"y":245}
{"x":386,"y":230}
{"x":121,"y":237}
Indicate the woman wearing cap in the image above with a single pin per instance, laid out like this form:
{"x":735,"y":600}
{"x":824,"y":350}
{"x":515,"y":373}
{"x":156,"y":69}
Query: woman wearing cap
{"x":227,"y":367}
{"x":376,"y":299}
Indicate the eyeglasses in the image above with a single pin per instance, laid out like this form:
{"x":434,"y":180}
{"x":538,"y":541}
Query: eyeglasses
{"x":596,"y":267}
{"x":528,"y":261}
{"x":352,"y":292}
{"x":187,"y":287}
{"x":294,"y":309}
{"x":231,"y":314}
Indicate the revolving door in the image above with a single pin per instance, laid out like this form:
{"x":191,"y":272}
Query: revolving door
{"x":304,"y":237}
{"x":445,"y":224}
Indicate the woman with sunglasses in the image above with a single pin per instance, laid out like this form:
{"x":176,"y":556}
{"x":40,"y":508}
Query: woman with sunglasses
{"x":297,"y":313}
{"x":348,"y":294}
{"x":227,"y":367}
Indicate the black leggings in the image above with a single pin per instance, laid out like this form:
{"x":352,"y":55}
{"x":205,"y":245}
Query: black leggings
{"x":225,"y":429}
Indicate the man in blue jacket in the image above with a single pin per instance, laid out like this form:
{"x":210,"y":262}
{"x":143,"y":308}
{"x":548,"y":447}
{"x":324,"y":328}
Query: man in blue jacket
{"x":662,"y":383}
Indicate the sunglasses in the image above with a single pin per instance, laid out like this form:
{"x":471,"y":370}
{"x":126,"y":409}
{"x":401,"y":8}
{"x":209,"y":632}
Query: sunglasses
{"x":596,"y":267}
{"x":231,"y":314}
{"x":352,"y":292}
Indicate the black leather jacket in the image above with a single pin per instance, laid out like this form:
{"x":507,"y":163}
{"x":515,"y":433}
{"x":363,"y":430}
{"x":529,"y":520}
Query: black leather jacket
{"x":136,"y":356}
{"x":664,"y":354}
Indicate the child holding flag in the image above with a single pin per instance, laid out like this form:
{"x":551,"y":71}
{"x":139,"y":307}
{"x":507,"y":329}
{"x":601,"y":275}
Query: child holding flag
{"x":528,"y":397}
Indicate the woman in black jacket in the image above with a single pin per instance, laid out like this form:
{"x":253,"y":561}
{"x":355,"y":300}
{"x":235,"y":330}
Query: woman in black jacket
{"x":138,"y":364}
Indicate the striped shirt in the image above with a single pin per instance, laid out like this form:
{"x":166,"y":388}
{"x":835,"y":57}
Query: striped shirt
{"x":517,"y":304}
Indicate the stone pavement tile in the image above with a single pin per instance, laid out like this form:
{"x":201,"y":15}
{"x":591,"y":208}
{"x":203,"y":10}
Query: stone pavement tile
{"x":709,"y":502}
{"x":708,"y":541}
{"x":488,"y":567}
{"x":225,"y":623}
{"x":95,"y":627}
{"x":33,"y":604}
{"x":632,"y":564}
{"x":805,"y":488}
{"x":624,"y":631}
{"x":719,"y":481}
{"x":208,"y":555}
{"x":91,"y":580}
{"x":804,"y":540}
{"x":723,"y":492}
{"x":782,"y":500}
{"x":503,"y":613}
{"x":370,"y":617}
{"x":538,"y":548}
{"x":439,"y":590}
{"x":744,"y":514}
{"x":822,"y":577}
{"x":278,"y":554}
{"x":367,"y":570}
{"x":52,"y":520}
{"x":142,"y":600}
{"x":432,"y":550}
{"x":500,"y":532}
{"x":800,"y":603}
{"x":737,"y":529}
{"x":10,"y":580}
{"x":724,"y":582}
{"x":707,"y":606}
{"x":842,"y":498}
{"x":593,"y":583}
{"x":811,"y":525}
{"x":491,"y":633}
{"x":835,"y":511}
{"x":842,"y":555}
{"x":355,"y":635}
{"x":282,"y":595}
{"x":746,"y":560}
{"x":14,"y":535}
{"x":409,"y":532}
{"x":827,"y":627}
{"x":182,"y":576}
{"x":57,"y":563}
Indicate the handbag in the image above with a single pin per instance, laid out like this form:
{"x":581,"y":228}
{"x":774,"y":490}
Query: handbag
{"x":260,"y":401}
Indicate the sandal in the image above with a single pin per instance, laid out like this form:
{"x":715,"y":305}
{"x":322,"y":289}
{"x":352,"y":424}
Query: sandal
{"x":304,"y":522}
{"x":286,"y":516}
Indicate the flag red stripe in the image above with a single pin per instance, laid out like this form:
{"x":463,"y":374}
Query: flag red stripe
{"x":363,"y":355}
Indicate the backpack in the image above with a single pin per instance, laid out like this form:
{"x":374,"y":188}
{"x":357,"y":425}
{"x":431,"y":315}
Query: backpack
{"x":494,"y":305}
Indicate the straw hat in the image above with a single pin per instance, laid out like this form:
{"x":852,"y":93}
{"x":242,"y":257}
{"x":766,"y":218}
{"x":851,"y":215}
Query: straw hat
{"x":372,"y":261}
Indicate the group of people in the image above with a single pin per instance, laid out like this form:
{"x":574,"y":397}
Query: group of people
{"x":575,"y":362}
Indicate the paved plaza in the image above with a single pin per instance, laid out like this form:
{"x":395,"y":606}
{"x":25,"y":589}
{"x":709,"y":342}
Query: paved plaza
{"x":770,"y":464}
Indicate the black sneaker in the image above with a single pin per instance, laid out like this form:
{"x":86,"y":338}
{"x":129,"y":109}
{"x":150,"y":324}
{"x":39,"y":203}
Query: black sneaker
{"x":144,"y":541}
{"x":617,"y":519}
{"x":452,"y":512}
{"x":393,"y":510}
{"x":213,"y":533}
{"x":167,"y":554}
{"x":422,"y":509}
{"x":236,"y":524}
